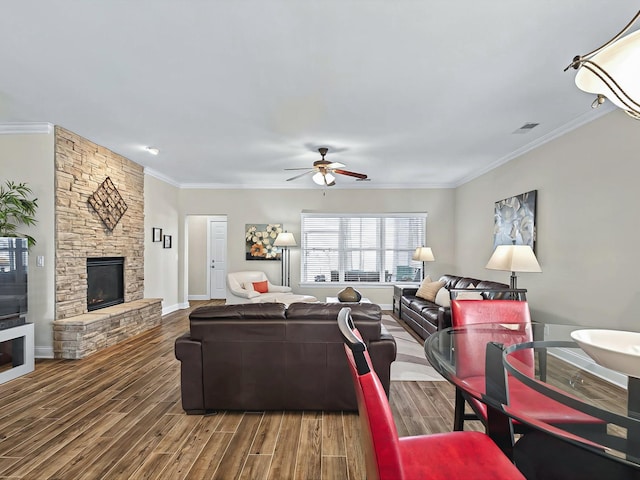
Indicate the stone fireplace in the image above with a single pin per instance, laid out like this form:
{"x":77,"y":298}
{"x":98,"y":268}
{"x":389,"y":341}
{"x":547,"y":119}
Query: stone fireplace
{"x":81,"y":166}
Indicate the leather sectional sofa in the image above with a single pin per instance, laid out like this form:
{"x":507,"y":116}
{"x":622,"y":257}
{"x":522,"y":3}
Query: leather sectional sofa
{"x":426,"y":317}
{"x":272,"y":357}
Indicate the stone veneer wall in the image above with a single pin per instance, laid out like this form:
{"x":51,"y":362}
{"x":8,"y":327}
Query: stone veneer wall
{"x":81,"y":167}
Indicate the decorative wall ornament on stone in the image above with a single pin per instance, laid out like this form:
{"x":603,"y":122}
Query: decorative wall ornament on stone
{"x":108,"y":204}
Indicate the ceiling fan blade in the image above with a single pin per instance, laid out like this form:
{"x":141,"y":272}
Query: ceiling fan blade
{"x":336,"y":165}
{"x":301,"y":175}
{"x":300,"y":168}
{"x":351,"y":174}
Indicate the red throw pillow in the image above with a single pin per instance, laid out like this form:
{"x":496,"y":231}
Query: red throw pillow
{"x":261,"y":287}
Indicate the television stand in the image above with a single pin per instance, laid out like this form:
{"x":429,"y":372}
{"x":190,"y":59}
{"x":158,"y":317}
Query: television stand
{"x":18,"y":344}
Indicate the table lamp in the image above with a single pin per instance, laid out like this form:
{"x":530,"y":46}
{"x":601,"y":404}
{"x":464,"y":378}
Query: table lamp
{"x":423,"y":254}
{"x":514,"y":258}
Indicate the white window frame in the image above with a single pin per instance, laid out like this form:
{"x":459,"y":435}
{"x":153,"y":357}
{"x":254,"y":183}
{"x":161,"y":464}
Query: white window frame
{"x":381,"y":249}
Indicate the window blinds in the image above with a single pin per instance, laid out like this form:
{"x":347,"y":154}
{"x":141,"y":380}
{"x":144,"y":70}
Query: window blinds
{"x":364,"y":248}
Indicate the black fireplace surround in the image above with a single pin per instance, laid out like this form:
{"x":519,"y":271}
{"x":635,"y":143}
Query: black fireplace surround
{"x":105,"y":282}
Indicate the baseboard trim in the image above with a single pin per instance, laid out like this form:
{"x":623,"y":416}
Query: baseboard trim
{"x":43,"y":352}
{"x":199,"y":297}
{"x":171,"y":309}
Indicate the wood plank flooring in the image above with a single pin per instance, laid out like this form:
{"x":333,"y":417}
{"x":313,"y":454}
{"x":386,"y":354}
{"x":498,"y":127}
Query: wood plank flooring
{"x":117,"y":415}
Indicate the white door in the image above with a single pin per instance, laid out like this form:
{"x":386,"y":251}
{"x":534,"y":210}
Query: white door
{"x":217,"y":259}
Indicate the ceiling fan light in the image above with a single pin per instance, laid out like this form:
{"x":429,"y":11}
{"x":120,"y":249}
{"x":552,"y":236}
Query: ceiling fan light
{"x":330,"y":178}
{"x":318,"y":178}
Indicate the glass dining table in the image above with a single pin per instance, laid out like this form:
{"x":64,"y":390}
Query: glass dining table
{"x":544,"y":359}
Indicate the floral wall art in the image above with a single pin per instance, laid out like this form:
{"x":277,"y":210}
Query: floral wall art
{"x":515,"y":220}
{"x":259,"y":238}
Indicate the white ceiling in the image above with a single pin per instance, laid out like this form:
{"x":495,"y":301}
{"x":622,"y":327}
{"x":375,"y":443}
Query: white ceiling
{"x":232,"y":92}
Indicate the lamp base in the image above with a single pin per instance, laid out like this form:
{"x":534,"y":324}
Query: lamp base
{"x":285,"y":267}
{"x":514,"y":281}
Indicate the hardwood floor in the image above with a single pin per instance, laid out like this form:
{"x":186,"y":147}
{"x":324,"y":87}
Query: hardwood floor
{"x":117,"y":415}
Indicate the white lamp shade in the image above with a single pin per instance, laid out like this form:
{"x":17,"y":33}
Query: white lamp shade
{"x":514,"y":258}
{"x":318,"y":178}
{"x":329,"y":178}
{"x":285,"y":239}
{"x":621,"y":62}
{"x":423,"y":254}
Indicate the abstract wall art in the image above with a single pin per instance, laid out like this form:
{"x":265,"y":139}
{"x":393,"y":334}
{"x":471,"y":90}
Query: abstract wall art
{"x":515,"y":220}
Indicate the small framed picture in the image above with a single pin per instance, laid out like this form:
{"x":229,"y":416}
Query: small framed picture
{"x":167,"y":241}
{"x":157,"y":235}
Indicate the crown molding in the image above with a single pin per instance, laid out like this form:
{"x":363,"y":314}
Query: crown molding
{"x":337,"y":186}
{"x":155,"y":174}
{"x":26,"y":128}
{"x":583,"y":119}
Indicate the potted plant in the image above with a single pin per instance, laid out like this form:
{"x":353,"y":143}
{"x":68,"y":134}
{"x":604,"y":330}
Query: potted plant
{"x":16,"y":208}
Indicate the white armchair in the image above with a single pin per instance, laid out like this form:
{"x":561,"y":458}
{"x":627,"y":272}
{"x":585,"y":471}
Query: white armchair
{"x":240,"y":285}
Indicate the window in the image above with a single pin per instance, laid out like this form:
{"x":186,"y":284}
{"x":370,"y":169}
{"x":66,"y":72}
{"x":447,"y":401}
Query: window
{"x":13,"y":254}
{"x":363,"y":248}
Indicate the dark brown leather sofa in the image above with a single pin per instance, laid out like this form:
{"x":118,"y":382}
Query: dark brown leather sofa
{"x":270,"y":357}
{"x":426,"y":317}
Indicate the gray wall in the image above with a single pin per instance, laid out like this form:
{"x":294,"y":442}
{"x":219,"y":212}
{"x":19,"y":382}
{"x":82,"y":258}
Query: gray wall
{"x":161,"y":277}
{"x":587,"y":224}
{"x":197,"y":226}
{"x":29,"y":158}
{"x":284,"y":206}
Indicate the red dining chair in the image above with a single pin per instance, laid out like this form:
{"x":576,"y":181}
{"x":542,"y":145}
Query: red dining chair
{"x":470,"y":353}
{"x":450,"y":456}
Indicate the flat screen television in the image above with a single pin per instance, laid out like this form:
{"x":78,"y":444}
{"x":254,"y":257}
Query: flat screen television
{"x":13,"y":277}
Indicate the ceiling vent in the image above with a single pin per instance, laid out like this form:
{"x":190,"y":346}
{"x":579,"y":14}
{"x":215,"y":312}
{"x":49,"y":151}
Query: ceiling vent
{"x":527,"y":127}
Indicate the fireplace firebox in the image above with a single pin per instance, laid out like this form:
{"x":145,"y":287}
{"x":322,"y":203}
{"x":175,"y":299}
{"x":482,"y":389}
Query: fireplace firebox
{"x":105,"y":282}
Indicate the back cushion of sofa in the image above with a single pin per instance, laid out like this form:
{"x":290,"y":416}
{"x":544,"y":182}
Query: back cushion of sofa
{"x":466,"y":282}
{"x":233,"y":322}
{"x":485,"y":284}
{"x":449,"y":280}
{"x":319,"y":321}
{"x":243,"y":310}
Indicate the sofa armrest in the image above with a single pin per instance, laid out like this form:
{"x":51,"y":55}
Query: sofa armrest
{"x":189,"y":352}
{"x":409,"y":291}
{"x":382,"y":352}
{"x":444,"y":318}
{"x":279,"y":288}
{"x":246,"y":293}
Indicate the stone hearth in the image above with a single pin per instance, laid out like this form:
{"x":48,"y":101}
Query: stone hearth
{"x":79,"y":336}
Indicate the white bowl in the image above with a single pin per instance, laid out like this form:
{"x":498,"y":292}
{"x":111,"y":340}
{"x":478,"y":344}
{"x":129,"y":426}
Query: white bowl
{"x":614,"y":349}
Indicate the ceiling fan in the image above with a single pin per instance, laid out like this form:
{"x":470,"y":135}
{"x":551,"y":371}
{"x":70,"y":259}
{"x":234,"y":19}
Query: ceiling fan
{"x":324,"y":171}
